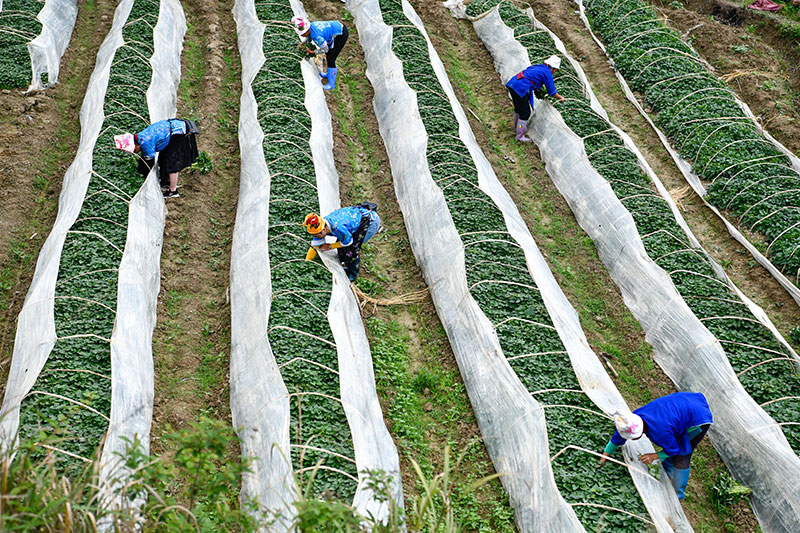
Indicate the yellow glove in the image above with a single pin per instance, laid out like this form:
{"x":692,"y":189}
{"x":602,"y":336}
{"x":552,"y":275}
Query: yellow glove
{"x":335,"y":245}
{"x":312,"y":253}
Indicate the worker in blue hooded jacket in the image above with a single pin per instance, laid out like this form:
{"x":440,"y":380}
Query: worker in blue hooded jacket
{"x":677,"y":423}
{"x":521,"y":87}
{"x":351,"y":227}
{"x":328,"y":37}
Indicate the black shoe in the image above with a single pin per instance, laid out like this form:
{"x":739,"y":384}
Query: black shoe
{"x":171,"y":194}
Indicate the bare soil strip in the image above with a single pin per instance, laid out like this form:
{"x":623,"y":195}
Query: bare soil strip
{"x":191,"y":344}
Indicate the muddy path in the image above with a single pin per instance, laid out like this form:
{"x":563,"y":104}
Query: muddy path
{"x":191,"y":341}
{"x":39,"y":135}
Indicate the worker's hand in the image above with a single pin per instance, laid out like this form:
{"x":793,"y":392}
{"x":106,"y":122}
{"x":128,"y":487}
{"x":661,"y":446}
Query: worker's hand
{"x":603,"y":459}
{"x":648,"y":458}
{"x":559,"y":97}
{"x":325,"y":246}
{"x":300,"y":46}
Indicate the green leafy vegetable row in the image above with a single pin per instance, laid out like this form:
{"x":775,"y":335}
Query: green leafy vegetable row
{"x":18,"y":27}
{"x":505,"y":292}
{"x":298,"y":329}
{"x":745,"y":340}
{"x":743,"y":172}
{"x":72,"y":397}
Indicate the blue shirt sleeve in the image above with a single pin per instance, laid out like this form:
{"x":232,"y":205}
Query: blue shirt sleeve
{"x":549,"y":83}
{"x":344,"y":236}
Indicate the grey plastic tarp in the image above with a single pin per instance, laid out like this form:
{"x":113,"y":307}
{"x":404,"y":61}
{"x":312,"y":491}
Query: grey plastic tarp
{"x":58,"y":20}
{"x":139,"y":272}
{"x":511,"y":421}
{"x":693,"y":179}
{"x":748,"y":440}
{"x":259,"y":399}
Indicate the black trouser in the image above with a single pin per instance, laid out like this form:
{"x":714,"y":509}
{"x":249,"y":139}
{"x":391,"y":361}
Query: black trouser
{"x":683,"y":461}
{"x":522,"y":106}
{"x":350,"y":256}
{"x":338,"y":44}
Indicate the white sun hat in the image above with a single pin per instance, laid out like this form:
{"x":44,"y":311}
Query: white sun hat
{"x":553,"y":61}
{"x":629,"y":425}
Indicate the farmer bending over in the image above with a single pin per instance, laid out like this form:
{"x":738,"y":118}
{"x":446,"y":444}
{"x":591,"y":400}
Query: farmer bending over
{"x":677,"y":423}
{"x":521,"y":87}
{"x":328,"y":37}
{"x":174,"y":139}
{"x":352,"y":227}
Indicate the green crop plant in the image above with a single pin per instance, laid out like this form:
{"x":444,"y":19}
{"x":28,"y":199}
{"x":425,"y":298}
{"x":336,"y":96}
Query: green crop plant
{"x":72,"y":396}
{"x":18,"y":27}
{"x":298,"y":329}
{"x":743,"y":172}
{"x":764,"y":365}
{"x":503,"y":288}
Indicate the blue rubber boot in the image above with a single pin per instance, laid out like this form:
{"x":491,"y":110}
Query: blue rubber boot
{"x":666,"y":464}
{"x":680,"y":478}
{"x":331,"y":79}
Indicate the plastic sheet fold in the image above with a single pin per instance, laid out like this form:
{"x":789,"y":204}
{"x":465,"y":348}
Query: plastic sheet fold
{"x":751,"y":444}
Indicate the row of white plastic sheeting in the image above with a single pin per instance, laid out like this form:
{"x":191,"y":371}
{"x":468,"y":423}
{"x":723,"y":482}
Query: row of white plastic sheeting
{"x":58,"y":20}
{"x":749,"y":441}
{"x":511,"y":421}
{"x":138,"y":273}
{"x":694,"y":180}
{"x":260,"y":402}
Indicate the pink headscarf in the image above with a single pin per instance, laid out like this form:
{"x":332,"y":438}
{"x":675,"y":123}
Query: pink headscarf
{"x":125,"y":142}
{"x":301,"y":25}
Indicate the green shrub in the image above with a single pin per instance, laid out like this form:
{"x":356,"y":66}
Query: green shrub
{"x":743,"y":172}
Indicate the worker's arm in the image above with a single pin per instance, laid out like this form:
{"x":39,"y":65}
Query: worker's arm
{"x":312,"y":250}
{"x":612,"y":446}
{"x":558,"y":97}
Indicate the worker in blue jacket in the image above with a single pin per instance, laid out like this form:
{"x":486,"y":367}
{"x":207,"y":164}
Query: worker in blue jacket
{"x":351,"y":226}
{"x":677,"y":423}
{"x":328,"y":37}
{"x":521,"y":87}
{"x":174,"y":139}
